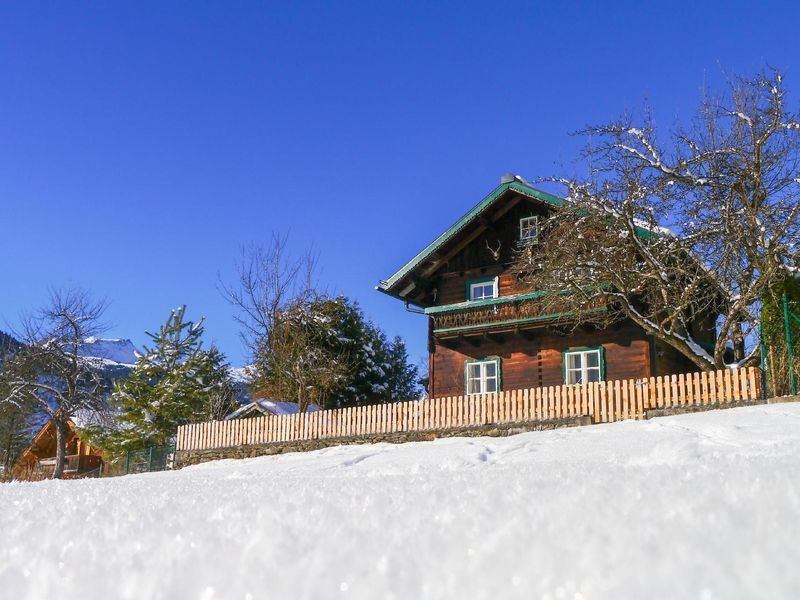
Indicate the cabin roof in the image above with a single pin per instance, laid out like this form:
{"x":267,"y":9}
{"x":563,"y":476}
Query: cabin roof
{"x":44,"y":441}
{"x":266,"y":407}
{"x":498,"y":194}
{"x":511,"y":187}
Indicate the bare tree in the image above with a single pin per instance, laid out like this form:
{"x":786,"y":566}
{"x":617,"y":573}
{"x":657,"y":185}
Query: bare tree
{"x":681,"y":236}
{"x":49,"y":372}
{"x":268,"y":280}
{"x":276,"y":296}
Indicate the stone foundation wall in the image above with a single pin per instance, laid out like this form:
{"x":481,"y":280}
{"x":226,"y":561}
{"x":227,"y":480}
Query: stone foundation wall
{"x":652,"y":413}
{"x":192,"y":457}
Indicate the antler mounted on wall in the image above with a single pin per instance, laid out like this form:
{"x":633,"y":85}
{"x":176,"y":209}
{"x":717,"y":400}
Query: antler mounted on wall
{"x":495,"y":253}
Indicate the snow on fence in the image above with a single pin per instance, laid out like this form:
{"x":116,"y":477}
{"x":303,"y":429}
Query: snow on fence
{"x":604,"y":402}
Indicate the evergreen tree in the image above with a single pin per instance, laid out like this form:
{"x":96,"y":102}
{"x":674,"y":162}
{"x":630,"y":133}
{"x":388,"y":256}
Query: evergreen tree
{"x":773,"y":328}
{"x":327,"y":352}
{"x":18,"y":418}
{"x":19,"y":421}
{"x":301,"y":359}
{"x":402,"y":378}
{"x":356,"y":341}
{"x":379,"y":370}
{"x":172,"y":383}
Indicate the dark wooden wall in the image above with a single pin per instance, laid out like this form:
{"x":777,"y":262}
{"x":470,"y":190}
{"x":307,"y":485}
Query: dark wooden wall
{"x":477,"y":262}
{"x":537,"y":362}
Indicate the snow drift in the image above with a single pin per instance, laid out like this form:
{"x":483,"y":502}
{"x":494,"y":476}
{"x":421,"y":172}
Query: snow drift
{"x":697,"y":506}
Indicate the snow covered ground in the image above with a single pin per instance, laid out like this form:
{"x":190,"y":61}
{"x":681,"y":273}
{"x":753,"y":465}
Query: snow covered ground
{"x":698,"y":506}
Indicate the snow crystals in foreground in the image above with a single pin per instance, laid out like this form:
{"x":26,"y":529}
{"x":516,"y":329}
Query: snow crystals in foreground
{"x":696,"y":506}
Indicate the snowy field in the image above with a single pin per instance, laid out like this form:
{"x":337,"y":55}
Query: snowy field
{"x":697,"y":506}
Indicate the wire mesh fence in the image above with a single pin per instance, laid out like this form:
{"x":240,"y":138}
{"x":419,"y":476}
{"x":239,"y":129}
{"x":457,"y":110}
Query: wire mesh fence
{"x":154,"y":458}
{"x":780,"y":349}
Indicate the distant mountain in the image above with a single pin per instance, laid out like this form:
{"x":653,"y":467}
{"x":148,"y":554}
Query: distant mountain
{"x":241,"y":378}
{"x":116,"y":350}
{"x":114,"y":359}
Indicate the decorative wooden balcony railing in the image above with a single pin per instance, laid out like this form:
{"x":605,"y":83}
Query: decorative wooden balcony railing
{"x":75,"y":465}
{"x":467,"y":316}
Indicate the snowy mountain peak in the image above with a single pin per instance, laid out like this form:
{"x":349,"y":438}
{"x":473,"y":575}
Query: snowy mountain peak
{"x":121,"y":351}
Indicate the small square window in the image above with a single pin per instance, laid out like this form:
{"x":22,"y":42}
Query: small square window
{"x":483,"y":290}
{"x":529,"y":230}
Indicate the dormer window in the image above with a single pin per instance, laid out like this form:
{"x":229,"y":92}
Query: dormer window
{"x":529,"y":230}
{"x":482,"y":289}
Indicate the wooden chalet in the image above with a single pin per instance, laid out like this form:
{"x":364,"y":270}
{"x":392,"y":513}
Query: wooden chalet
{"x":485,"y":330}
{"x":38,"y":461}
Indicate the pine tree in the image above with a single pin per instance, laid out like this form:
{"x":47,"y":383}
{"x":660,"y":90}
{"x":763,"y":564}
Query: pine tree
{"x":18,"y":419}
{"x":379,"y":370}
{"x":172,"y":383}
{"x":300,"y":361}
{"x":402,"y":378}
{"x":18,"y":424}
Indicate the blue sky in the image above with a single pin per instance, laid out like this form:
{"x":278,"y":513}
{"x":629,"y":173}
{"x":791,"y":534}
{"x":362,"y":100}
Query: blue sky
{"x":143,"y":143}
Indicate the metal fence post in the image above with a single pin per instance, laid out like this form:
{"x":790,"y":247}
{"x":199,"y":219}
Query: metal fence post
{"x":763,"y":366}
{"x":127,"y":461}
{"x":790,"y":351}
{"x":150,"y":460}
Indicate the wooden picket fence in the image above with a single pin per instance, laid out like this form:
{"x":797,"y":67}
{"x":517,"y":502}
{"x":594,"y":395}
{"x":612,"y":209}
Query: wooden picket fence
{"x":604,"y":402}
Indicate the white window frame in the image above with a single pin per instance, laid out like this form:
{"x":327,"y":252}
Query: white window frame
{"x":474,"y":386}
{"x":524,"y":226}
{"x":571,"y":373}
{"x":482,"y":284}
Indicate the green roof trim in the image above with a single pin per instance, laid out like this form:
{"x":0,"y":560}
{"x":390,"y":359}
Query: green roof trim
{"x":517,"y":186}
{"x":463,"y":221}
{"x":432,"y":310}
{"x":518,"y":321}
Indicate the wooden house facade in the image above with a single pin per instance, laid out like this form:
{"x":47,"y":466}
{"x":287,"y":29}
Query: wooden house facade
{"x":485,"y":330}
{"x":38,"y":461}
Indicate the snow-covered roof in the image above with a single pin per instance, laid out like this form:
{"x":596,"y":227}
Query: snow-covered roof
{"x":269,"y":407}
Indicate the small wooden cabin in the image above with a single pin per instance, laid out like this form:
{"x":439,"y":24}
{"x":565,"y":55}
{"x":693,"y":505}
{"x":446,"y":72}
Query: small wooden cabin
{"x":485,"y":333}
{"x":38,"y":461}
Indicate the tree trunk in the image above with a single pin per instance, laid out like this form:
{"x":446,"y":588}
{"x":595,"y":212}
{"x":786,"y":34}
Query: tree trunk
{"x":9,"y":448}
{"x":738,"y":344}
{"x":61,"y":448}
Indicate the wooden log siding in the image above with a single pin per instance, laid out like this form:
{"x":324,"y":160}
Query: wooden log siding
{"x":604,"y":402}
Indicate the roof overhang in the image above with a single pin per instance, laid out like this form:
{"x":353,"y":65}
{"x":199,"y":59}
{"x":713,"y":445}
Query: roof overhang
{"x":397,"y":285}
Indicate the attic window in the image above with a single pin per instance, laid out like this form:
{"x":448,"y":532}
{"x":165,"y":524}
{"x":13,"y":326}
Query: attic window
{"x":529,"y":230}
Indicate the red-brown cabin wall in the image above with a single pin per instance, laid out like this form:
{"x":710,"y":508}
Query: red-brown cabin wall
{"x":537,"y":362}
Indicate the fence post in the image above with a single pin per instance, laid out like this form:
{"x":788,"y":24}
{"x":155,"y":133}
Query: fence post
{"x":127,"y":461}
{"x":150,"y":459}
{"x":789,"y":350}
